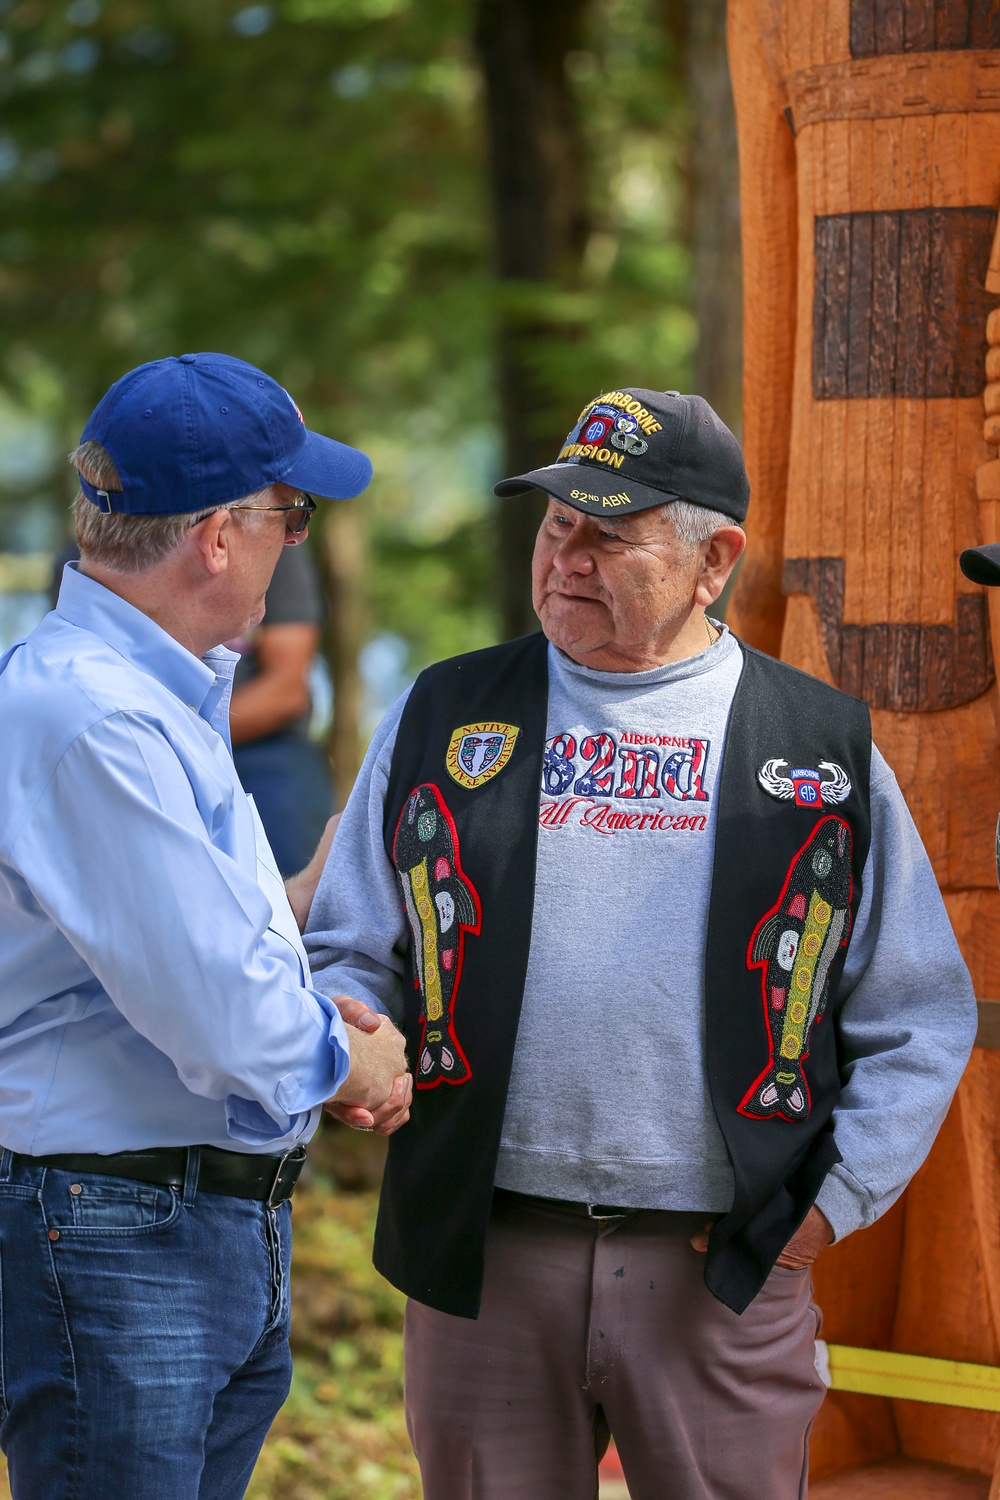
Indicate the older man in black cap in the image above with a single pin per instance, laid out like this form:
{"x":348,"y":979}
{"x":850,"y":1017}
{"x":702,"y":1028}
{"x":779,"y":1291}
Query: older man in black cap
{"x":675,"y":977}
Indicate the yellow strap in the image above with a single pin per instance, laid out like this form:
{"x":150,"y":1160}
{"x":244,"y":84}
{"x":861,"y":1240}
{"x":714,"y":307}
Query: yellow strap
{"x":909,"y":1377}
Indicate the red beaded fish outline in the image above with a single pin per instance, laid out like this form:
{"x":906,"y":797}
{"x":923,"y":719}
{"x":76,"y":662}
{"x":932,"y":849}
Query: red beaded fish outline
{"x":441,"y":906}
{"x":794,"y":945}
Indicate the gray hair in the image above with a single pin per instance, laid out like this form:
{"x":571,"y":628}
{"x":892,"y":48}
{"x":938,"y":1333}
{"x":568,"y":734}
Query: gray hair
{"x":696,"y":523}
{"x":124,"y":543}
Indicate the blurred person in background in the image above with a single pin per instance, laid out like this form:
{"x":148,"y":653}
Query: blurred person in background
{"x":278,"y":764}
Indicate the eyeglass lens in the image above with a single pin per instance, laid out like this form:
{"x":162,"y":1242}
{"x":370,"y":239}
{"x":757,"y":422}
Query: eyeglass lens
{"x":298,"y":516}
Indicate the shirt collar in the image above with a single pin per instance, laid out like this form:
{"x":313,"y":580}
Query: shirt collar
{"x":707,"y":660}
{"x":88,"y":604}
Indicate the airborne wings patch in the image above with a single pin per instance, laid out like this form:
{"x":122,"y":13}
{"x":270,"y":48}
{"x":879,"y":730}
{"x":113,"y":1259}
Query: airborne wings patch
{"x":803,"y":785}
{"x":478,"y":752}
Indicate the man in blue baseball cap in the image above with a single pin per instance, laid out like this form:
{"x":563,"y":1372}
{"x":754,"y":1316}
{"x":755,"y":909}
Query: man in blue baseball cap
{"x":163,"y":1056}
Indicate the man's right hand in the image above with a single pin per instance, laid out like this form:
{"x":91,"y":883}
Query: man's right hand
{"x":383,"y":1120}
{"x":378,"y":1086}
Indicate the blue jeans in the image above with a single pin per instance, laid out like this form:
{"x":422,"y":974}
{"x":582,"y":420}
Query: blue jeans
{"x":143,"y":1336}
{"x":288,"y":778}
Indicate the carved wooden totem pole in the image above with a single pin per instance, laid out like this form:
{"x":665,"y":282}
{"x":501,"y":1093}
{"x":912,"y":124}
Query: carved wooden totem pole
{"x":870,"y":163}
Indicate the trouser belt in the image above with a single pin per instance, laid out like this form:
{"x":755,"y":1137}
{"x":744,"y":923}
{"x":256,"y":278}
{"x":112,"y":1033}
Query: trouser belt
{"x":268,"y":1179}
{"x":598,"y":1212}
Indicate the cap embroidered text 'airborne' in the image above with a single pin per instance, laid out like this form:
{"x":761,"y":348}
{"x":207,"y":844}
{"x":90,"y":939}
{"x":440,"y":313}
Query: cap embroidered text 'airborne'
{"x":633,"y":449}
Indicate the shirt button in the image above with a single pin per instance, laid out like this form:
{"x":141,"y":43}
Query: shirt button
{"x":53,"y":1234}
{"x":75,"y":1188}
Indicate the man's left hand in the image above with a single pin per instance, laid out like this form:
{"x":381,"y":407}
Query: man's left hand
{"x":812,"y":1236}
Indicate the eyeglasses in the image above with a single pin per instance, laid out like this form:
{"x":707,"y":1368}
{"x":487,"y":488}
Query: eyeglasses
{"x":301,"y":510}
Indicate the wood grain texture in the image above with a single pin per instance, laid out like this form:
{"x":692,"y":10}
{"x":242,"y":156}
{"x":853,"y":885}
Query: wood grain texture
{"x":979,"y":1111}
{"x":975,"y":916}
{"x":908,"y":668}
{"x":880,"y":27}
{"x":899,"y":303}
{"x":988,"y":1030}
{"x":943,"y":83}
{"x":943,"y":1305}
{"x":903,"y":1477}
{"x":769,"y":236}
{"x":869,"y":483}
{"x":855,"y":1284}
{"x":993,"y":282}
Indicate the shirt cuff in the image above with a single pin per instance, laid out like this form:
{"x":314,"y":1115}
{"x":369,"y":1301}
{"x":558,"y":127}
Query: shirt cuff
{"x":296,"y":1094}
{"x":321,"y":1077}
{"x":845,"y":1203}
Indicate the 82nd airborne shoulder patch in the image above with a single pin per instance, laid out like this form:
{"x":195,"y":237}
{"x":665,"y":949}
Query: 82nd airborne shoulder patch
{"x":478,"y":752}
{"x":803,"y":785}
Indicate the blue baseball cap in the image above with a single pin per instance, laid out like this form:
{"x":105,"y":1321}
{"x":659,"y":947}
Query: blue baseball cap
{"x":200,"y":430}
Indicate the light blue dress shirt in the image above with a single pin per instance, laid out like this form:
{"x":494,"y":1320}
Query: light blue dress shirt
{"x":153,"y":988}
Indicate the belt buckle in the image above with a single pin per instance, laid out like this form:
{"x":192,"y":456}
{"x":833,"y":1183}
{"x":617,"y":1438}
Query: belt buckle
{"x":601,"y":1219}
{"x":296,"y":1153}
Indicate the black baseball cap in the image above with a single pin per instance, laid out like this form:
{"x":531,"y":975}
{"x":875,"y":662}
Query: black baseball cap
{"x":981,"y":564}
{"x":634,"y":449}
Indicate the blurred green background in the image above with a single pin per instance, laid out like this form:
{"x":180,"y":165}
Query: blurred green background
{"x":443,"y":225}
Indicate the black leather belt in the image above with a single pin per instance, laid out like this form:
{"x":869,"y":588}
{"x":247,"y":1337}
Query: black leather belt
{"x":268,"y":1179}
{"x":598,"y":1213}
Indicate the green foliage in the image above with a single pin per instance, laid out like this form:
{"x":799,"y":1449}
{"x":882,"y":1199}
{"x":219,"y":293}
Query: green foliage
{"x":302,"y":183}
{"x":281,"y":195}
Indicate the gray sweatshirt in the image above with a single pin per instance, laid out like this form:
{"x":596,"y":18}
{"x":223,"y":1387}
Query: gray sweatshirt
{"x":608,"y":1099}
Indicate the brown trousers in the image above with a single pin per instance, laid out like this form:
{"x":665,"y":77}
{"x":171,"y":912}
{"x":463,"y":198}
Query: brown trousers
{"x":586,"y":1332}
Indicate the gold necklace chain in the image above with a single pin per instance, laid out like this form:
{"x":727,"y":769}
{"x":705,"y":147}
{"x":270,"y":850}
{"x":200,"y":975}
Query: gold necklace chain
{"x":713,"y":634}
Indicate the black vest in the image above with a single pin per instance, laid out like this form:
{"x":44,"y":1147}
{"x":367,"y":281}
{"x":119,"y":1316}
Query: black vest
{"x":461,"y":825}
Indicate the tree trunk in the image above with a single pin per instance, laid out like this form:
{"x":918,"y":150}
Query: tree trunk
{"x":717,"y":287}
{"x":540,"y":229}
{"x":716,"y":270}
{"x":343,"y":563}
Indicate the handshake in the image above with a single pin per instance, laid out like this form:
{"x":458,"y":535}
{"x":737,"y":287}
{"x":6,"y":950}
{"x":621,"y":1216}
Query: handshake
{"x":376,"y":1093}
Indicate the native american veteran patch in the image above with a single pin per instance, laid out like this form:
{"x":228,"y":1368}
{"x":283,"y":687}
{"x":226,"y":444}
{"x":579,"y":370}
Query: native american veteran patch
{"x":478,"y":752}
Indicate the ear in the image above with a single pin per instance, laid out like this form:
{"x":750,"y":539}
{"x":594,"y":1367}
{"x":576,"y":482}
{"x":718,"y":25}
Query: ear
{"x":722,"y":553}
{"x":211,"y":540}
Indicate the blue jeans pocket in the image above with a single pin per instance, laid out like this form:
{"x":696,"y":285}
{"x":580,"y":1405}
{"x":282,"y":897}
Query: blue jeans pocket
{"x":90,"y":1204}
{"x":3,"y":1366}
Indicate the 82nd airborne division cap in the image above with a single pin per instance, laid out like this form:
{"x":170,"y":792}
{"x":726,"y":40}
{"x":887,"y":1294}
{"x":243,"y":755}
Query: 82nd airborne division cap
{"x":633,"y":449}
